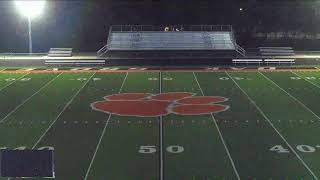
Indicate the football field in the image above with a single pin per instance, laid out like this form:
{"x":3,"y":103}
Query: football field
{"x":166,"y":125}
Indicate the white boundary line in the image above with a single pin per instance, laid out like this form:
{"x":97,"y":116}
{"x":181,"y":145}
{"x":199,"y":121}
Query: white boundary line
{"x":294,"y":98}
{"x":220,"y":134}
{"x":64,"y":108}
{"x":271,"y":124}
{"x":306,"y":79}
{"x":26,"y":100}
{"x":13,"y":81}
{"x":102,"y":134}
{"x":161,"y":132}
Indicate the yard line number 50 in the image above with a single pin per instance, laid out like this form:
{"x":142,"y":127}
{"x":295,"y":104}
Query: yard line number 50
{"x":175,"y":149}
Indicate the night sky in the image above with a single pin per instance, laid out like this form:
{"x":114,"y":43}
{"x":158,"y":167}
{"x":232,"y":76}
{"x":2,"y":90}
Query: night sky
{"x":84,"y":25}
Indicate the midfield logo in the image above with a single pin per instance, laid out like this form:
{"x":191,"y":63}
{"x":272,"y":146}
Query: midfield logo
{"x":154,"y":105}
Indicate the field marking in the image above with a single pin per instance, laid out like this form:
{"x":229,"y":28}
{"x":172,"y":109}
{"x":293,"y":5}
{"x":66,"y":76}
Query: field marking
{"x":272,"y":125}
{"x":161,"y":133}
{"x":294,"y":98}
{"x":306,"y":79}
{"x":220,"y":134}
{"x":64,"y":108}
{"x":26,"y":100}
{"x":103,"y":132}
{"x":37,"y":92}
{"x":13,"y":81}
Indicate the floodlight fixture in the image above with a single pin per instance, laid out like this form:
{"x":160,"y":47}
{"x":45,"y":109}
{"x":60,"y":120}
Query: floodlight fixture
{"x":30,"y":9}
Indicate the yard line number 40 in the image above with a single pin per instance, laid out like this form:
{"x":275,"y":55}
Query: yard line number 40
{"x":309,"y":78}
{"x":175,"y":149}
{"x":302,"y":148}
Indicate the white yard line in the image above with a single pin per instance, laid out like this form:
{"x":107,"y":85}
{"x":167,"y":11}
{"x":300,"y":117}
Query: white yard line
{"x":102,"y":134}
{"x":26,"y":100}
{"x":294,"y":98}
{"x":161,"y":134}
{"x":271,"y":124}
{"x":64,"y":108}
{"x":33,"y":95}
{"x":220,"y":134}
{"x":306,"y":79}
{"x":14,"y":81}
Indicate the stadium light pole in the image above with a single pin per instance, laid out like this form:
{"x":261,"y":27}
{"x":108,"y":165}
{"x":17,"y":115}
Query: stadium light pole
{"x":30,"y":9}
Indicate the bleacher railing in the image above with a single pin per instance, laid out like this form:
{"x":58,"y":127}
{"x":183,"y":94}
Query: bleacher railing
{"x":139,"y":28}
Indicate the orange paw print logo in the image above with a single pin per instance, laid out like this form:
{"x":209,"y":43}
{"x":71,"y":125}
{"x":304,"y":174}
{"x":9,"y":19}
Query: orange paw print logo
{"x":154,"y":105}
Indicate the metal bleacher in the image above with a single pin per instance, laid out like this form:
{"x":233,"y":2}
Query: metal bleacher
{"x":60,"y":52}
{"x":281,"y":54}
{"x":268,"y":56}
{"x":276,"y":51}
{"x":179,"y":38}
{"x":171,"y":41}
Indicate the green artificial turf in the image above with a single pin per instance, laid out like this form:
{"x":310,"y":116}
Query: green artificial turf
{"x":270,"y":130}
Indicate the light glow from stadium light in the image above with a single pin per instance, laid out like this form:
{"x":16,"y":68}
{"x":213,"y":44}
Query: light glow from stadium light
{"x":30,"y":9}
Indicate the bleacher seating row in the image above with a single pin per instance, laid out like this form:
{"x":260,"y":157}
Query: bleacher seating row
{"x":75,"y":62}
{"x":263,"y":61}
{"x":60,"y":52}
{"x":130,"y":41}
{"x":276,"y":51}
